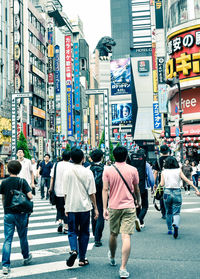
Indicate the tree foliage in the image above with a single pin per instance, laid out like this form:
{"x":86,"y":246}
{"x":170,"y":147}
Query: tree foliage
{"x":22,"y":143}
{"x":68,"y":147}
{"x":102,"y":141}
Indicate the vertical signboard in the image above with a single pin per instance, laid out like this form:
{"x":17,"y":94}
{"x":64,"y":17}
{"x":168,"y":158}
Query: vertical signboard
{"x":40,"y":148}
{"x":162,"y":98}
{"x":57,"y":88}
{"x":76,"y":77}
{"x":157,"y":117}
{"x":68,"y":79}
{"x":78,"y":127}
{"x":159,"y":14}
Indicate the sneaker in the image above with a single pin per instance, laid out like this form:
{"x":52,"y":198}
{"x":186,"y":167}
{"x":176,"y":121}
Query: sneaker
{"x":28,"y":260}
{"x":70,"y":261}
{"x":6,"y":270}
{"x":175,"y":231}
{"x":188,"y":192}
{"x":137,"y":225}
{"x":111,"y":260}
{"x":169,"y":232}
{"x":98,"y":244}
{"x":123,"y":273}
{"x":60,"y":228}
{"x":142,"y":226}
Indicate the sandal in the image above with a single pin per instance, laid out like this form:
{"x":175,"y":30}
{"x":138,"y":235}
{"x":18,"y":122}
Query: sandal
{"x":70,"y":261}
{"x":83,"y":262}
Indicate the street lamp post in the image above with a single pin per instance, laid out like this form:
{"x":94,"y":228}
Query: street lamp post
{"x":172,"y":82}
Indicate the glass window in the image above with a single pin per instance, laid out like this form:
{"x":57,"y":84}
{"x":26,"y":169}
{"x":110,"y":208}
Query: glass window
{"x":33,"y":21}
{"x":183,"y":11}
{"x":197,"y":8}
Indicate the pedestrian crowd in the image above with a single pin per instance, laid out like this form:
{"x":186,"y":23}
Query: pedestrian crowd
{"x":85,"y":192}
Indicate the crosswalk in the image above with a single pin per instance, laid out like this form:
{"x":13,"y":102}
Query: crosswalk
{"x":48,"y":248}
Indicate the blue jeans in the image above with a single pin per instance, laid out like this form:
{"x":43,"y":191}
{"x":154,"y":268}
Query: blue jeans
{"x":195,"y":179}
{"x":45,"y":181}
{"x":98,"y":225}
{"x":78,"y":232}
{"x":11,"y":221}
{"x":173,"y":201}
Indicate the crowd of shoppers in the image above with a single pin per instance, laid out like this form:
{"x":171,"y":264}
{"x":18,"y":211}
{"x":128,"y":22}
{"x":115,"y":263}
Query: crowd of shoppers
{"x":92,"y":191}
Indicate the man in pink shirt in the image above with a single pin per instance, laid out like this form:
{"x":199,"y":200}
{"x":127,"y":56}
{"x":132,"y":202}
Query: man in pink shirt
{"x":122,"y":211}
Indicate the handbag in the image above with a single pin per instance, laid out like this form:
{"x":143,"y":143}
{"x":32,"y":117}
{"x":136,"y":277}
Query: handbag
{"x":20,"y":203}
{"x":158,"y":195}
{"x":132,"y":193}
{"x":52,"y":195}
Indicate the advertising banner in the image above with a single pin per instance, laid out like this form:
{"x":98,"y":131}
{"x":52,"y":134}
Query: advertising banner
{"x":121,"y":114}
{"x":57,"y":69}
{"x":162,"y":97}
{"x":161,"y":70}
{"x":184,"y":51}
{"x":76,"y":77}
{"x":78,"y":127}
{"x":68,"y":78}
{"x":143,"y":67}
{"x":120,"y":76}
{"x":159,"y":14}
{"x":157,"y":117}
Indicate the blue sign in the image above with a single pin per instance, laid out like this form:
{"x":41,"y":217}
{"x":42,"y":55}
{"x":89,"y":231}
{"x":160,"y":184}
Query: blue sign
{"x":50,"y":37}
{"x":76,"y":77}
{"x":177,"y":132}
{"x":57,"y":69}
{"x":69,"y":111}
{"x":78,"y":127}
{"x":157,"y":118}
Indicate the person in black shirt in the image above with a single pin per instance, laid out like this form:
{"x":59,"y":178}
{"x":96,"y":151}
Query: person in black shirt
{"x":44,"y":170}
{"x":14,"y":219}
{"x":158,"y":167}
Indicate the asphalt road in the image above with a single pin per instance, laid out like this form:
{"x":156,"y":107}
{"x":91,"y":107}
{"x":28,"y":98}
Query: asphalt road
{"x":154,"y":255}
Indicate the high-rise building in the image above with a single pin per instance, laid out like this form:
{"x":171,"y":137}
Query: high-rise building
{"x":132,"y":56}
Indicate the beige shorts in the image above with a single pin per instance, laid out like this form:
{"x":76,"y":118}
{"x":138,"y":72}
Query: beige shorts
{"x":122,"y":220}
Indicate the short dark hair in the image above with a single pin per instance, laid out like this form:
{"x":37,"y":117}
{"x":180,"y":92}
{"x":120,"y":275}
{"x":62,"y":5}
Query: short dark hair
{"x":164,"y":149}
{"x":171,"y":163}
{"x":66,"y":155}
{"x":20,"y":148}
{"x":47,"y":155}
{"x":120,"y":153}
{"x":96,"y":155}
{"x":14,"y":167}
{"x":77,"y":155}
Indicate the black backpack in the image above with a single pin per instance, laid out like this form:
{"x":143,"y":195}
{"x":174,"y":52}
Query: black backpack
{"x":98,"y":172}
{"x":138,"y":160}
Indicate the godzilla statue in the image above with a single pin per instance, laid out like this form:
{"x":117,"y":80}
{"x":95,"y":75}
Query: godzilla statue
{"x":105,"y":45}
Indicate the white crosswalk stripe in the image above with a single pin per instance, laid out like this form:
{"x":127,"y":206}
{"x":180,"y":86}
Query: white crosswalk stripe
{"x":48,"y":248}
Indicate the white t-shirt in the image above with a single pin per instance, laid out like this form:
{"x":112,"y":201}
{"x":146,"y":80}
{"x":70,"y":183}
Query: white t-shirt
{"x":194,"y":170}
{"x":77,"y":193}
{"x":172,"y":178}
{"x":61,"y":168}
{"x":26,"y":170}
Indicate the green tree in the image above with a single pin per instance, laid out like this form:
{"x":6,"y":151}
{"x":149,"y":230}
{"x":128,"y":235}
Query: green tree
{"x":68,"y":147}
{"x":102,"y":140}
{"x":22,"y":143}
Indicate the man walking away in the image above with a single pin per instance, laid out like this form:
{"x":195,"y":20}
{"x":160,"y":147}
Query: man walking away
{"x":158,"y":167}
{"x":61,"y":168}
{"x":146,"y":182}
{"x":26,"y":170}
{"x":122,"y":212}
{"x":97,"y":168}
{"x":79,"y":189}
{"x":44,"y":170}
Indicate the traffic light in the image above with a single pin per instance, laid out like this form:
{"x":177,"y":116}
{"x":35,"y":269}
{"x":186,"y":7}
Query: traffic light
{"x":167,"y":131}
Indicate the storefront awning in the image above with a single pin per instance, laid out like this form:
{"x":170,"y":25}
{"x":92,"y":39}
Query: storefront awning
{"x":189,"y":130}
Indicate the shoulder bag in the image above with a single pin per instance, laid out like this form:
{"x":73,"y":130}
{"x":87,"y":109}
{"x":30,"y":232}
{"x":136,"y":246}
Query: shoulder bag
{"x":20,"y":203}
{"x":52,"y":196}
{"x":132,"y":193}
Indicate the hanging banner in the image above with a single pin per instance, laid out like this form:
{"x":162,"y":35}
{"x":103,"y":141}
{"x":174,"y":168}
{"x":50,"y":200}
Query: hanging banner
{"x":159,"y":14}
{"x":68,"y":78}
{"x":78,"y":127}
{"x":76,"y":77}
{"x":162,"y":97}
{"x":157,"y":117}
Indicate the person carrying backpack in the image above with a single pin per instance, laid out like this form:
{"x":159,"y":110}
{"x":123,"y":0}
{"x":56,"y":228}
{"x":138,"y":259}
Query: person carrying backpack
{"x":146,"y":180}
{"x":97,"y":168}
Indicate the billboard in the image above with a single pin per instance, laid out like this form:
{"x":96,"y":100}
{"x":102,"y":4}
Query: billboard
{"x":157,"y":117}
{"x":121,"y":114}
{"x":120,"y":76}
{"x":76,"y":77}
{"x":68,"y":78}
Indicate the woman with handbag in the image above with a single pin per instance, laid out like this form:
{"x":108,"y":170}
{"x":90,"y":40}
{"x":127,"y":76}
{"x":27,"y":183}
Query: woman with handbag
{"x":12,"y":217}
{"x":170,"y":178}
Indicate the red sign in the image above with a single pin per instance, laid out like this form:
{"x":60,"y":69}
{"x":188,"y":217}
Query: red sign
{"x":190,"y":101}
{"x":188,"y":130}
{"x":184,"y":50}
{"x":68,"y":60}
{"x":51,"y":77}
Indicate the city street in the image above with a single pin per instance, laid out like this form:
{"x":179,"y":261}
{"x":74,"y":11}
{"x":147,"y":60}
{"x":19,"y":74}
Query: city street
{"x":154,"y":254}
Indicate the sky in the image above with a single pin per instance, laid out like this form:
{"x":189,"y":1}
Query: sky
{"x":95,"y":15}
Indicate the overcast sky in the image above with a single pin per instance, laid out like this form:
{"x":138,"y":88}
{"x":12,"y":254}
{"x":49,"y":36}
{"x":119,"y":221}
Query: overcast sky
{"x":95,"y":15}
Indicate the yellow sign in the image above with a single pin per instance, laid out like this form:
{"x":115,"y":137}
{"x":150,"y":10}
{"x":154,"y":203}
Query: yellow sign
{"x":155,"y":81}
{"x":50,"y":50}
{"x":17,"y":52}
{"x":38,"y":112}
